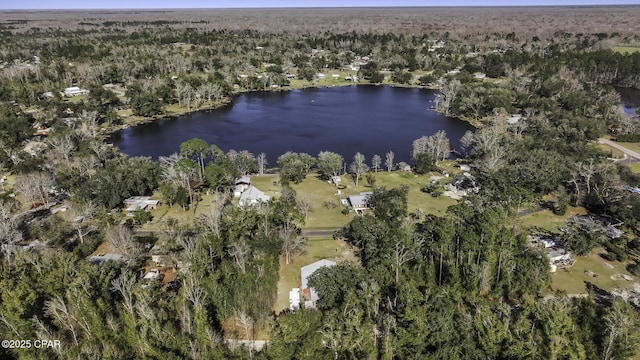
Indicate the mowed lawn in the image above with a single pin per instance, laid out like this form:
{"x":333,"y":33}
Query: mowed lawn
{"x":611,"y":151}
{"x":573,"y":280}
{"x":631,"y":146}
{"x":634,"y":166}
{"x":318,"y":192}
{"x":317,"y":248}
{"x":626,"y":49}
{"x":164,"y":212}
{"x":547,"y":220}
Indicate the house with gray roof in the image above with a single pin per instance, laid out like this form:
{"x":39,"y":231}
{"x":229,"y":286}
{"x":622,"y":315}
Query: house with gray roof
{"x":360,"y":202}
{"x":140,"y":203}
{"x":309,"y":294}
{"x":253,"y":196}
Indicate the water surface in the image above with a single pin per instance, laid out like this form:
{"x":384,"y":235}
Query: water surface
{"x":367,"y":119}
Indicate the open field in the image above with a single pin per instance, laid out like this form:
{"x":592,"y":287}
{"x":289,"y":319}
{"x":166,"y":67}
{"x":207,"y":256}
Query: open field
{"x":634,"y":166}
{"x":164,"y":212}
{"x":573,"y":280}
{"x":457,"y":21}
{"x":624,"y":49}
{"x":317,"y":249}
{"x":631,"y":146}
{"x":611,"y":151}
{"x":547,"y":220}
{"x":318,"y":192}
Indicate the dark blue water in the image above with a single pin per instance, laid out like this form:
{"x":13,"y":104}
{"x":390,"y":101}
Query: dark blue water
{"x":630,"y":99}
{"x":367,"y":119}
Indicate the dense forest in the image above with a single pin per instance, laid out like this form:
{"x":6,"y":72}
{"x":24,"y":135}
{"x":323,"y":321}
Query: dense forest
{"x":463,"y":284}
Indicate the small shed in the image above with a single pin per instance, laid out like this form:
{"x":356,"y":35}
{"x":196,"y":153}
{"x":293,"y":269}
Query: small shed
{"x":294,"y":299}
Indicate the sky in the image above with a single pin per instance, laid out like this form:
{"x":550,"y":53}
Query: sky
{"x":172,"y":4}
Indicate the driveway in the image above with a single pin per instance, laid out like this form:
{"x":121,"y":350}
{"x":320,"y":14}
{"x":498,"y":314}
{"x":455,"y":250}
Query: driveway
{"x":613,"y":144}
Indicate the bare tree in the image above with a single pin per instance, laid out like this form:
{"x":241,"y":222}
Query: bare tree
{"x":436,"y":145}
{"x":389,"y":158}
{"x":194,"y":293}
{"x":121,"y":238}
{"x":262,"y":162}
{"x":212,"y":219}
{"x":240,"y":252}
{"x":292,"y":242}
{"x":62,"y":147}
{"x":621,"y":324}
{"x":376,"y":161}
{"x":88,"y":125}
{"x":35,"y":186}
{"x":123,"y":285}
{"x":448,"y":94}
{"x":81,"y":212}
{"x":9,"y":230}
{"x":85,"y":165}
{"x":466,"y":141}
{"x":305,"y":205}
{"x":358,"y":167}
{"x":59,"y":310}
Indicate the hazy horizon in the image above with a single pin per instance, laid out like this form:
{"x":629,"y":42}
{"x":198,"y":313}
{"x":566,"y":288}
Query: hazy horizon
{"x":254,"y":4}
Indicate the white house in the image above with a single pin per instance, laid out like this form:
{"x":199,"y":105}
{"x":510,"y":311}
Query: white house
{"x":557,"y":255}
{"x":152,"y":274}
{"x":513,"y":119}
{"x":140,"y":203}
{"x":309,"y":294}
{"x":242,"y":184}
{"x":74,"y":91}
{"x":479,"y":75}
{"x":360,"y":202}
{"x":252,"y":196}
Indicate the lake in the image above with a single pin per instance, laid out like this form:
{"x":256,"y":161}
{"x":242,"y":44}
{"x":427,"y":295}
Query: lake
{"x":367,"y":119}
{"x":630,"y":99}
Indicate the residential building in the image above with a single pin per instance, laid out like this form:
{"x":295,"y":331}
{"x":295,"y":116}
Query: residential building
{"x":74,"y":91}
{"x":140,"y":203}
{"x":309,"y":294}
{"x":253,"y":196}
{"x":360,"y":202}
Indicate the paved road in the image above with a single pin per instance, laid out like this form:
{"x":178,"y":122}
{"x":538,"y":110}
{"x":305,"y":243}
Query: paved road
{"x":315,"y":233}
{"x":613,"y":144}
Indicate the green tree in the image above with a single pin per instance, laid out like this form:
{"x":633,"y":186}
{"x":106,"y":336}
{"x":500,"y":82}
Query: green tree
{"x":329,"y":164}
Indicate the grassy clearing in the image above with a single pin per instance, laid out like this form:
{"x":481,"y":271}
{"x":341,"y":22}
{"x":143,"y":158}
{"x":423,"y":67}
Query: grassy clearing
{"x":573,"y":280}
{"x":77,"y":99}
{"x":634,"y":166}
{"x":317,"y":249}
{"x":631,"y":146}
{"x":164,"y":212}
{"x":611,"y":151}
{"x":547,"y":220}
{"x":318,"y":192}
{"x":626,"y":49}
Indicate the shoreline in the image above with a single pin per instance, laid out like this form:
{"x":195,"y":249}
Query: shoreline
{"x":133,"y":120}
